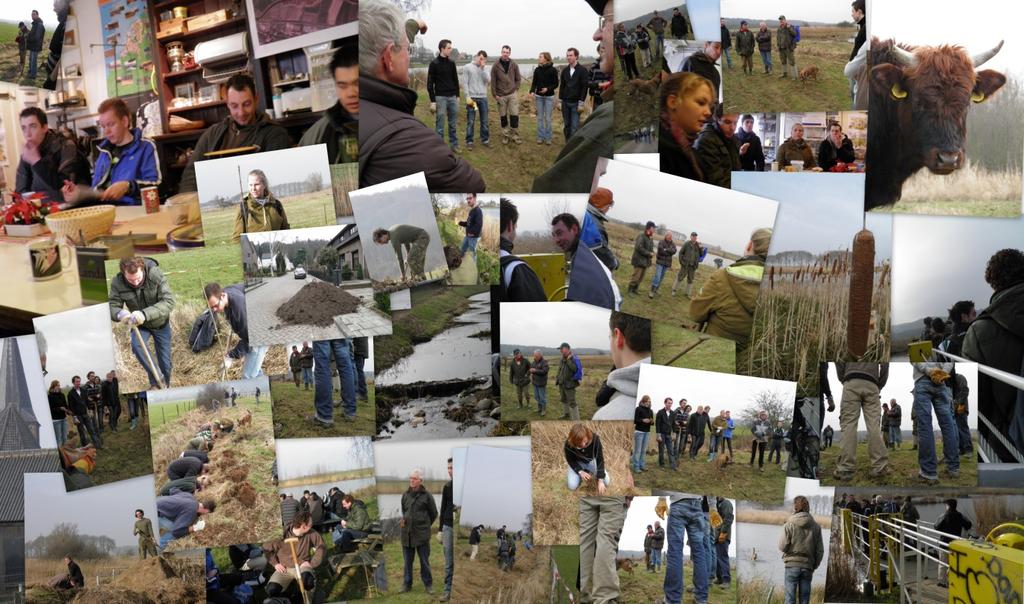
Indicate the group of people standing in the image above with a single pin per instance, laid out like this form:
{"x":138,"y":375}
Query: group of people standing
{"x":313,"y":365}
{"x":87,"y":405}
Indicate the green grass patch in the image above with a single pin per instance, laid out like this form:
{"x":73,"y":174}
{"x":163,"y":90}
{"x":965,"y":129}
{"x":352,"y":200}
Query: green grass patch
{"x":125,"y":454}
{"x":395,"y":563}
{"x":903,"y":462}
{"x":714,"y":354}
{"x":9,"y":62}
{"x":307,"y":210}
{"x":567,"y":559}
{"x":188,"y":272}
{"x":643,"y":585}
{"x":595,"y":372}
{"x":1001,"y":209}
{"x":293,"y":406}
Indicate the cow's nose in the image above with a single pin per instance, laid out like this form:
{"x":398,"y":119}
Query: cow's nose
{"x":948,"y":159}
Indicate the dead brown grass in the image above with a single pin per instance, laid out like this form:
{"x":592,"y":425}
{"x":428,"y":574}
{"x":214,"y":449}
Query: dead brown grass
{"x":122,"y":580}
{"x":969,"y":183}
{"x":483,"y":582}
{"x":188,"y":368}
{"x":555,"y":508}
{"x":775,"y":517}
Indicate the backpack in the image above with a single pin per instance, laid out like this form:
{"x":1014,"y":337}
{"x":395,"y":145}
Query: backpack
{"x":203,"y":333}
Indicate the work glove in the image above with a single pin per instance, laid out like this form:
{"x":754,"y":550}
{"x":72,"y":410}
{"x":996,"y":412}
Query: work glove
{"x":198,"y":526}
{"x":227,"y":362}
{"x":579,"y":106}
{"x":308,"y":580}
{"x":723,"y":537}
{"x":440,"y":538}
{"x":122,"y":315}
{"x":138,"y":317}
{"x":716,"y":519}
{"x":433,"y":107}
{"x":661,"y":508}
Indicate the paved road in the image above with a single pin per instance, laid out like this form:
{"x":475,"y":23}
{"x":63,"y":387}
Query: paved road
{"x":265,"y":328}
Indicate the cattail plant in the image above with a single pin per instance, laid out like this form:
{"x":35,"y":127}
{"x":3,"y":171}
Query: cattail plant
{"x":862,"y":278}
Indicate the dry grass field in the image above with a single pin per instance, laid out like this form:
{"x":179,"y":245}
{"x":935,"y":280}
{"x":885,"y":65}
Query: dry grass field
{"x":306,"y":210}
{"x":644,"y":586}
{"x":762,"y":591}
{"x":555,"y":507}
{"x":483,"y":582}
{"x":120,"y":580}
{"x":970,"y":191}
{"x":595,"y":371}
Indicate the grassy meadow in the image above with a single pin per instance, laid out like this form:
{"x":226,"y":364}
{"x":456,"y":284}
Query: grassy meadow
{"x":508,"y":167}
{"x":306,"y":210}
{"x":827,"y":48}
{"x":125,"y":454}
{"x":970,"y":191}
{"x":801,"y":319}
{"x":556,"y":508}
{"x":595,"y":370}
{"x":483,"y":582}
{"x":644,"y":586}
{"x":712,"y":354}
{"x":9,"y":63}
{"x":119,"y":579}
{"x":293,"y":407}
{"x":904,"y":466}
{"x":635,"y":109}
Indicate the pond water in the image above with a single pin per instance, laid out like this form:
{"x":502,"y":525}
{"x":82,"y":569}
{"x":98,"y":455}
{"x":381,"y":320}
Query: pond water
{"x":390,"y":506}
{"x":764,"y":538}
{"x":435,"y":424}
{"x":451,"y":354}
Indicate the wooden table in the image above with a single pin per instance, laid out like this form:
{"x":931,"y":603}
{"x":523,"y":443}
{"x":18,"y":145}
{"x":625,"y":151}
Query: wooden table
{"x":134,"y":219}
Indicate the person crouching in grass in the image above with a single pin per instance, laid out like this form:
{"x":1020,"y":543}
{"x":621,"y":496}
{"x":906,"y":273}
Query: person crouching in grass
{"x":585,"y":456}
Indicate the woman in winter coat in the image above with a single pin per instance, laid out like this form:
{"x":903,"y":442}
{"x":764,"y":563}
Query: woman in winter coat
{"x":795,"y":149}
{"x":687,"y":101}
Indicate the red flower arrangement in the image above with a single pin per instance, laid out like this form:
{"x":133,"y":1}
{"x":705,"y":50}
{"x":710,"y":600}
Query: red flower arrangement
{"x":29,"y":210}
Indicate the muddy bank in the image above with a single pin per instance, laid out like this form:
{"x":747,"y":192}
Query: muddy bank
{"x":438,"y":410}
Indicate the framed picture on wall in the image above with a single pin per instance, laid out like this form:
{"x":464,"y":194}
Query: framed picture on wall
{"x":73,"y":70}
{"x":70,"y":38}
{"x":280,"y":25}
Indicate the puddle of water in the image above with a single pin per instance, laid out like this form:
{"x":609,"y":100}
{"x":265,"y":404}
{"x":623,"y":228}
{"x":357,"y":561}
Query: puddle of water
{"x":434,"y":424}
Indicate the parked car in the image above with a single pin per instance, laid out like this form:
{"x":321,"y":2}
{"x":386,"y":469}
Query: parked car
{"x":299,"y":272}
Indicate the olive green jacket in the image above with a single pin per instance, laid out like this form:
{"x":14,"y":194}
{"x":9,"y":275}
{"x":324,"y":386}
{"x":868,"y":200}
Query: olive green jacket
{"x":643,"y":250}
{"x":154,"y":297}
{"x":259,"y":218}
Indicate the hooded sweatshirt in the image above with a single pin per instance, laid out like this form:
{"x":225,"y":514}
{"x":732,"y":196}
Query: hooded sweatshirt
{"x":623,"y":402}
{"x":800,"y":542}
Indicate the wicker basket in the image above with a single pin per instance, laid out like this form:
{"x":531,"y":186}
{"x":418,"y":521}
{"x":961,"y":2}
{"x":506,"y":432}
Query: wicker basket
{"x":92,"y":221}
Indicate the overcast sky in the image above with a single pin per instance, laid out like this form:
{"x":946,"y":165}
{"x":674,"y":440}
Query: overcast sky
{"x":826,"y":219}
{"x":703,"y":14}
{"x":918,"y":289}
{"x":397,"y":459}
{"x":720,"y":216}
{"x":219,"y":177}
{"x":794,"y":10}
{"x":298,"y":457}
{"x":324,"y":233}
{"x":946,"y":22}
{"x":495,"y":498}
{"x":22,"y":11}
{"x":537,"y":210}
{"x":33,"y":372}
{"x":107,"y":510}
{"x":78,"y":341}
{"x":187,"y":393}
{"x":807,"y":488}
{"x":720,"y":390}
{"x":532,"y":26}
{"x":544,"y":324}
{"x":640,"y":514}
{"x":900,"y":386}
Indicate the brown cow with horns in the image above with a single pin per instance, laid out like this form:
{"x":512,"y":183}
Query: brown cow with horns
{"x":918,"y":112}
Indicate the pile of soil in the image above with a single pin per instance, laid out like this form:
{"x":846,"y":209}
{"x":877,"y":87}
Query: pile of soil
{"x":317,"y":303}
{"x":237,"y":474}
{"x":245,"y":494}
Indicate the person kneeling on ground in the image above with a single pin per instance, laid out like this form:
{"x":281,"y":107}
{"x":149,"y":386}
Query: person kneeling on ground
{"x":585,"y":456}
{"x":178,"y":515}
{"x":309,"y":553}
{"x":69,"y":580}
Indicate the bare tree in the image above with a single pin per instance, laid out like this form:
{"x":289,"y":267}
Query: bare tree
{"x":778,"y":407}
{"x":557,"y":205}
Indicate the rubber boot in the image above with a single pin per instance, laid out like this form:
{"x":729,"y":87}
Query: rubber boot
{"x":689,"y":287}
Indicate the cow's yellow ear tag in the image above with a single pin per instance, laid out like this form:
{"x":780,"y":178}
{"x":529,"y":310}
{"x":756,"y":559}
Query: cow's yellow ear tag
{"x":898,"y":93}
{"x":977,"y":96}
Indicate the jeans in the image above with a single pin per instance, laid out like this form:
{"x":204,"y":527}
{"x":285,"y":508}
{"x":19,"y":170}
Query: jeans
{"x":686,"y":515}
{"x":86,"y":424}
{"x":60,"y":430}
{"x":571,"y":117}
{"x":166,"y":525}
{"x":964,"y":434}
{"x":468,"y":243}
{"x":716,"y":442}
{"x":766,"y":58}
{"x":253,"y":366}
{"x":485,"y":131}
{"x":722,"y":568}
{"x":665,"y":447}
{"x":928,"y":395}
{"x":659,"y":274}
{"x":573,"y":480}
{"x":895,"y":435}
{"x":775,"y":450}
{"x":640,"y":449}
{"x":409,"y":554}
{"x":361,"y":390}
{"x":307,"y":376}
{"x":541,"y":394}
{"x":162,"y":345}
{"x":545,"y":107}
{"x":709,"y":545}
{"x":33,"y":59}
{"x":343,"y":538}
{"x":798,"y":579}
{"x":448,"y":541}
{"x":728,"y":57}
{"x":659,"y":43}
{"x":324,"y":389}
{"x":656,"y":559}
{"x":447,"y":106}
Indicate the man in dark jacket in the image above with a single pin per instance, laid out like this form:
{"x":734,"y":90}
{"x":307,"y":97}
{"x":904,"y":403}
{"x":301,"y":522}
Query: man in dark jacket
{"x":230,"y":300}
{"x":355,"y":525}
{"x":785,"y":39}
{"x":996,"y":339}
{"x":697,"y":426}
{"x":657,"y":25}
{"x":663,"y":427}
{"x":689,"y":261}
{"x":48,"y":160}
{"x":141,"y":298}
{"x":663,"y":262}
{"x":294,"y":365}
{"x":244,"y":126}
{"x":643,"y":252}
{"x":647,"y":548}
{"x":446,"y":533}
{"x":703,"y":62}
{"x":289,"y":507}
{"x":35,"y":44}
{"x":716,"y":149}
{"x":474,"y":225}
{"x":62,"y":8}
{"x":519,"y":376}
{"x":518,"y":281}
{"x":94,"y":398}
{"x":392,"y":141}
{"x":862,"y":383}
{"x":306,"y":364}
{"x":679,"y":26}
{"x":857,"y":13}
{"x":72,"y":579}
{"x":573,"y":84}
{"x":112,"y":398}
{"x":722,"y":535}
{"x":418,"y":514}
{"x":590,"y":280}
{"x":751,"y":151}
{"x":443,"y":90}
{"x":339,"y":126}
{"x":961,"y":315}
{"x":835,"y":148}
{"x":745,"y":47}
{"x":539,"y":378}
{"x":474,"y":541}
{"x":570,"y":374}
{"x":726,"y":42}
{"x":77,"y":402}
{"x":657,"y":543}
{"x":953,"y":523}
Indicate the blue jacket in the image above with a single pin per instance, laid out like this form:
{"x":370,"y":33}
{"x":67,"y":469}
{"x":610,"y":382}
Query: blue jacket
{"x":138,"y":166}
{"x":181,"y":508}
{"x":727,"y":433}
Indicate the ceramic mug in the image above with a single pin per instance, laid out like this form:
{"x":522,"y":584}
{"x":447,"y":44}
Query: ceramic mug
{"x":48,"y":258}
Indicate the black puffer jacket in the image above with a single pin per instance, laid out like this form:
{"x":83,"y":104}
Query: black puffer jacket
{"x":544,"y":76}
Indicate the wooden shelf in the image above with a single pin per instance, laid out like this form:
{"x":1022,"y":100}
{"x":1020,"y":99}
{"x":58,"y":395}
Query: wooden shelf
{"x":202,"y":32}
{"x":184,"y":135}
{"x":170,"y":75}
{"x":173,"y":110}
{"x":171,"y":4}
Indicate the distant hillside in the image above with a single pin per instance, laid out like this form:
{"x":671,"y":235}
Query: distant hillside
{"x":666,"y":14}
{"x":733,"y":23}
{"x":904,"y":333}
{"x":527,"y":350}
{"x":803,"y":257}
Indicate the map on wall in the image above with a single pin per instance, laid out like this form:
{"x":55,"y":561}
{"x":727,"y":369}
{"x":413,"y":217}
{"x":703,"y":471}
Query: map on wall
{"x":128,"y":46}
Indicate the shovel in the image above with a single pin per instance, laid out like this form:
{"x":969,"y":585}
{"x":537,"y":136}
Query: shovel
{"x":291,"y":541}
{"x":149,"y":359}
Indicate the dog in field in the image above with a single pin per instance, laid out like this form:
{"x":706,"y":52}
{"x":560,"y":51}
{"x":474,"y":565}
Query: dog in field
{"x":246,"y":419}
{"x":809,"y":73}
{"x":722,"y":460}
{"x":624,"y":564}
{"x":645,"y":86}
